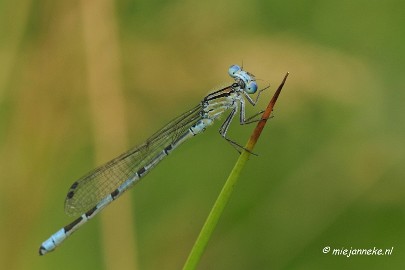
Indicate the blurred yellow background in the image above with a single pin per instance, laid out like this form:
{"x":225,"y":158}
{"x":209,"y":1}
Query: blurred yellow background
{"x":83,"y":81}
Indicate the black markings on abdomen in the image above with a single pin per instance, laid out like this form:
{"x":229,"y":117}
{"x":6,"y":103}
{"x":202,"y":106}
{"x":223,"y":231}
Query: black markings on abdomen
{"x":168,"y":149}
{"x":67,"y":228}
{"x":141,"y":171}
{"x":115,"y":193}
{"x":91,"y":211}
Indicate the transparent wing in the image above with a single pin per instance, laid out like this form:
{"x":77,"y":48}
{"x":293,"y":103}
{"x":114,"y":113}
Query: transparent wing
{"x":86,"y":192}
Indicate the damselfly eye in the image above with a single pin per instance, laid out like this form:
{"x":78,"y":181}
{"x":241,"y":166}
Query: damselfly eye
{"x":233,"y":70}
{"x":251,"y":88}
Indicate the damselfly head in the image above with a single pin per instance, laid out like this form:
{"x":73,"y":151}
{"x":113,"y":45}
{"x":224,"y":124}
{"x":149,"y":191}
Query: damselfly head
{"x":248,"y":84}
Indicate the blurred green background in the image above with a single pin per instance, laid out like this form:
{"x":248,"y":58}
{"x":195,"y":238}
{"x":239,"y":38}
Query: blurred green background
{"x":82,"y":81}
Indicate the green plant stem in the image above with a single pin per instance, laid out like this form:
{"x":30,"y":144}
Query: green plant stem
{"x":223,"y":198}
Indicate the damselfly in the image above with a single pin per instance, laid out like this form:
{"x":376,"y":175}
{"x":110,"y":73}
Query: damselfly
{"x":91,"y":193}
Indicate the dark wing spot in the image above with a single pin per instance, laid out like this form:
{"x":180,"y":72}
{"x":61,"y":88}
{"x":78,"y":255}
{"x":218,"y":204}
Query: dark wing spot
{"x":70,"y":194}
{"x":74,"y":185}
